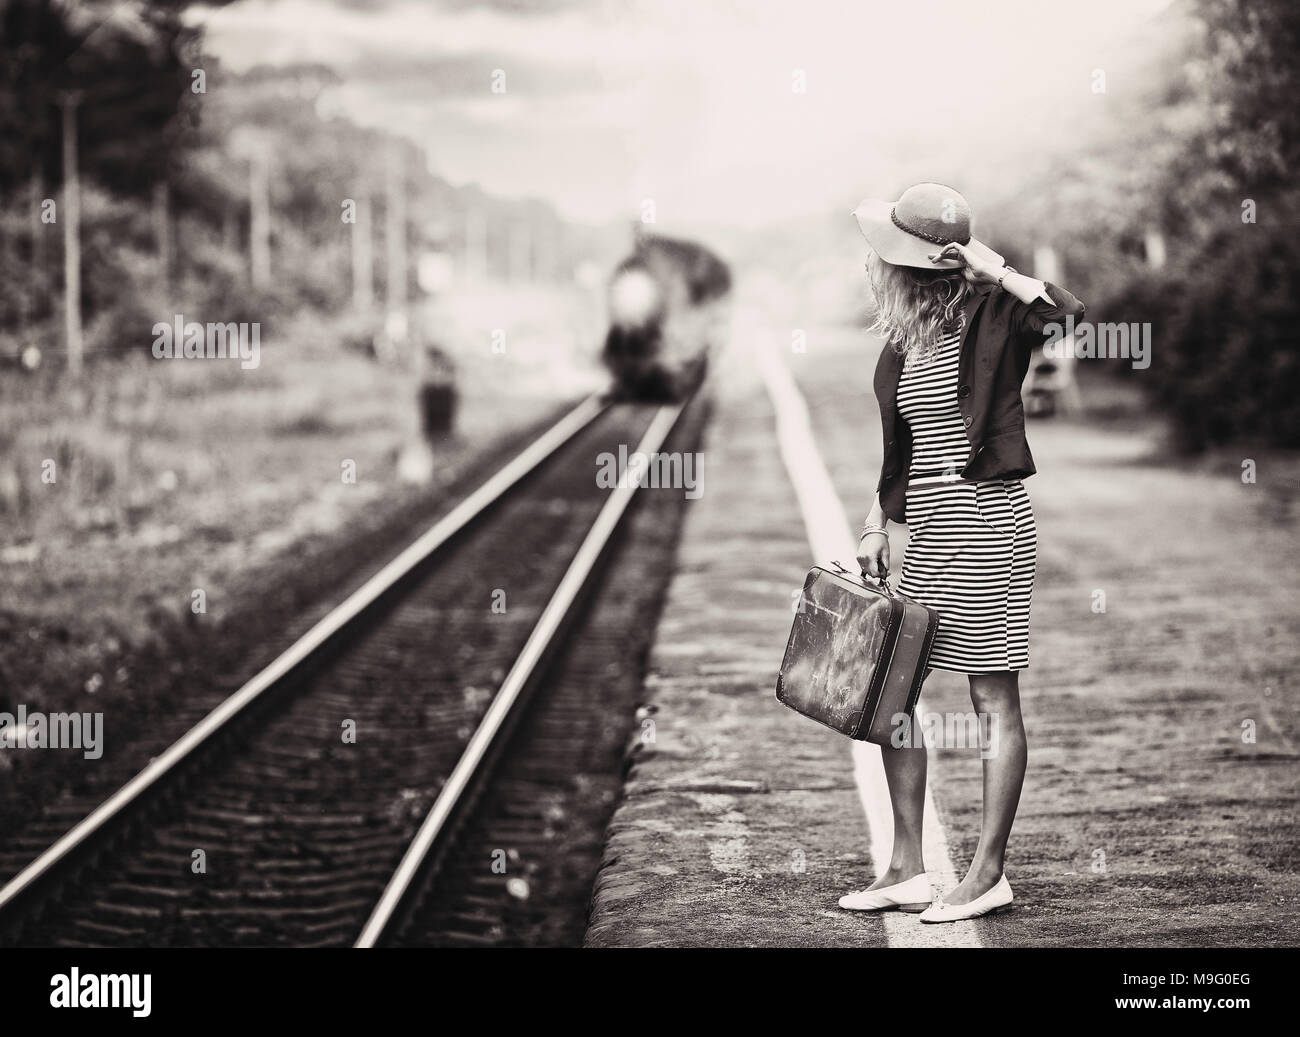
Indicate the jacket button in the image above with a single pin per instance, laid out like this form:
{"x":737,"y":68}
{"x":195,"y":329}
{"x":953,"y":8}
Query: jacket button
{"x":963,"y":391}
{"x":967,"y":420}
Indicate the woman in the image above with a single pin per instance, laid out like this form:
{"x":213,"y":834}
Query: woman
{"x":959,"y":326}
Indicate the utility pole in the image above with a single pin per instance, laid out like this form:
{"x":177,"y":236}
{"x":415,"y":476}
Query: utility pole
{"x":363,"y":257}
{"x":259,"y":218}
{"x":475,"y":245}
{"x":71,"y":234}
{"x":544,"y":253}
{"x":229,"y":230}
{"x":520,"y":251}
{"x":395,"y":235}
{"x":162,"y":235}
{"x":36,"y":309}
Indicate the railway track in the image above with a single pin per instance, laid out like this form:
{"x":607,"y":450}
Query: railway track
{"x":317,"y":805}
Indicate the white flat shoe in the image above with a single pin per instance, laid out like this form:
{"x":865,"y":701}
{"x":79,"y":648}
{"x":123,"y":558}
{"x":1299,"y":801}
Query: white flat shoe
{"x":998,"y":896}
{"x":912,"y":895}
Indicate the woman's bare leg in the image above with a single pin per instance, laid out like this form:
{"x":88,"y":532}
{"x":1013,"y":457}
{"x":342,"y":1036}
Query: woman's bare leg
{"x":905,"y":773}
{"x":996,"y":697}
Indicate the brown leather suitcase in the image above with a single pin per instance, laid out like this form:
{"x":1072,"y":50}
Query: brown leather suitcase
{"x":857,"y":654}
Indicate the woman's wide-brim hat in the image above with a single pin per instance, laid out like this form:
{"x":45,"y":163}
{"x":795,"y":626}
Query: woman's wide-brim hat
{"x":923,"y":220}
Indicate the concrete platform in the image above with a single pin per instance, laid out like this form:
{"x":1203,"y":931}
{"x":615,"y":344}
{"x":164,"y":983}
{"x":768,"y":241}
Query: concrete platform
{"x":1148,"y":817}
{"x":742,"y":823}
{"x":740,"y":826}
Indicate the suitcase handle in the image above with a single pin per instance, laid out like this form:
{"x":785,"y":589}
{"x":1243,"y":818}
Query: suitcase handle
{"x":883,"y":580}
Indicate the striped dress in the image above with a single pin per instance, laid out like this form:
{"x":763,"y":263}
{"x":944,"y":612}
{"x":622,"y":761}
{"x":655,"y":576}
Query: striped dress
{"x":971,"y":545}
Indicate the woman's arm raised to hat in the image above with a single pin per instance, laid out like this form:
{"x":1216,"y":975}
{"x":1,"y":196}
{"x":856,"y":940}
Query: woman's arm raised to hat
{"x":1038,"y":307}
{"x":1041,"y":302}
{"x":1026,"y":289}
{"x":980,"y":270}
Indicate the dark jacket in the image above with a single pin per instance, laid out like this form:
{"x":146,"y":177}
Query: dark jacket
{"x":1001,"y":331}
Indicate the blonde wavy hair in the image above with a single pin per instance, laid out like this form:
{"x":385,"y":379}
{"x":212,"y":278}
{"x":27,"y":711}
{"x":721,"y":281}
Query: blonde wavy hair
{"x":914,"y":308}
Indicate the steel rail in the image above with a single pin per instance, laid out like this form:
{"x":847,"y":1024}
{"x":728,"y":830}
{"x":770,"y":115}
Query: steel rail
{"x":291,"y":658}
{"x":548,"y":624}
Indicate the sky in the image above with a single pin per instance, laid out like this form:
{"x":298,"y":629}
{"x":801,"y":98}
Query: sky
{"x":695,"y":104}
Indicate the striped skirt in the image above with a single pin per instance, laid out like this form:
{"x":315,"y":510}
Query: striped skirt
{"x":970,"y":555}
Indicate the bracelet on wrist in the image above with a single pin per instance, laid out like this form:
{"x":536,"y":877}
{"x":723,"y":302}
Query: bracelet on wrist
{"x":870,"y":528}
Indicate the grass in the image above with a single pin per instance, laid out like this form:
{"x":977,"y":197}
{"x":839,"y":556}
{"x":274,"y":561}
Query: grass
{"x":157,"y":478}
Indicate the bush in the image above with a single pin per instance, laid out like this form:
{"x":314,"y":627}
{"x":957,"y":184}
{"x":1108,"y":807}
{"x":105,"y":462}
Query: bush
{"x":1227,"y":354}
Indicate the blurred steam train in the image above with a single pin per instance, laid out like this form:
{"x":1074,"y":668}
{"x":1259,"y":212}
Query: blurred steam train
{"x":667,"y":310}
